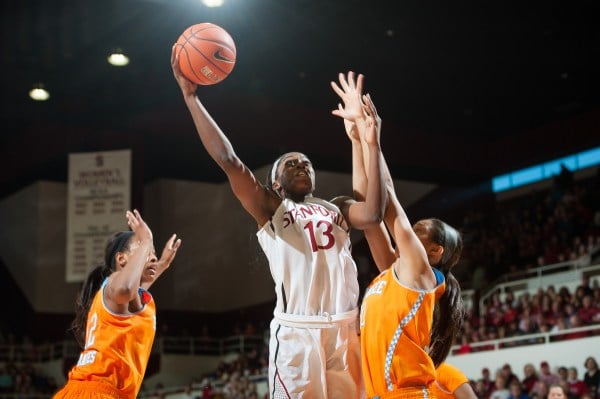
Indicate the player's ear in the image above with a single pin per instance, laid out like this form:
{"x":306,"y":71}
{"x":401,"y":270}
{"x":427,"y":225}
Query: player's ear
{"x":121,"y":259}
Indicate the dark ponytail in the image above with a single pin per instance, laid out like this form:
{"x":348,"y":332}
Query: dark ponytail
{"x":447,"y":320}
{"x":118,"y":242}
{"x":449,"y":310}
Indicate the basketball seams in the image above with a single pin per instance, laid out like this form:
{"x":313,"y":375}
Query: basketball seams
{"x":199,"y":77}
{"x":228,"y":46}
{"x":222,"y":44}
{"x":207,"y":58}
{"x":193,"y":33}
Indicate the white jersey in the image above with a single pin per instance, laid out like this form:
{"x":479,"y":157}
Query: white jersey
{"x":308,"y":248}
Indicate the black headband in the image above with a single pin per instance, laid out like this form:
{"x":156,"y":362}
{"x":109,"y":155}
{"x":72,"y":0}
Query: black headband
{"x":117,"y":246}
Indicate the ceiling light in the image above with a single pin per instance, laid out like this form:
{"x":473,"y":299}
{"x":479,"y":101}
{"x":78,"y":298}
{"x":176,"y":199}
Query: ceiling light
{"x":212,"y":3}
{"x":118,"y":58}
{"x":39,"y":93}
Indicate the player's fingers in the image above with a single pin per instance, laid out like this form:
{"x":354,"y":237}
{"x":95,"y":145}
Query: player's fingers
{"x":177,"y":244}
{"x":343,"y":81}
{"x":337,"y":89}
{"x":359,"y":82}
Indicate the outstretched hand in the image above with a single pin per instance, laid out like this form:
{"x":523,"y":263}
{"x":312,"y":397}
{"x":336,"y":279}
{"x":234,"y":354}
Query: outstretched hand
{"x":373,"y":131}
{"x":169,"y":251}
{"x":350,"y":127}
{"x":349,"y":90}
{"x":138,"y":226}
{"x":187,"y":87}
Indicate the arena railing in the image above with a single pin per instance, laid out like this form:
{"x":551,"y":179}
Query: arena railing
{"x":531,"y":339}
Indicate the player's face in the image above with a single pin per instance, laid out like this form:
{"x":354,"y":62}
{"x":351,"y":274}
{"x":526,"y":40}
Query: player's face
{"x":296,"y":174}
{"x":149,"y":272}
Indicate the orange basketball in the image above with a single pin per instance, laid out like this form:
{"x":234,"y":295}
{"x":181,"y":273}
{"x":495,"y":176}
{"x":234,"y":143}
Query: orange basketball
{"x":206,"y":53}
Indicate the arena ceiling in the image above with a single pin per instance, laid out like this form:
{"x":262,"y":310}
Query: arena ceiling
{"x":466,"y":90}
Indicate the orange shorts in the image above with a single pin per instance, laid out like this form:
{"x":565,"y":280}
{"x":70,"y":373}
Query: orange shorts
{"x":89,"y":390}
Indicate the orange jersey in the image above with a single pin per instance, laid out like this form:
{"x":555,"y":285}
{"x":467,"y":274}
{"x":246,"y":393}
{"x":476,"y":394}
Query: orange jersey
{"x":448,"y":378}
{"x":395,"y":324}
{"x":117,"y":347}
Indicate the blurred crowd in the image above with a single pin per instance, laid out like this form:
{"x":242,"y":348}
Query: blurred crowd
{"x":535,"y":384}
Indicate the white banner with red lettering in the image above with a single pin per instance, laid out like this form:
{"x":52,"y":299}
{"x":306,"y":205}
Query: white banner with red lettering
{"x":99,"y":194}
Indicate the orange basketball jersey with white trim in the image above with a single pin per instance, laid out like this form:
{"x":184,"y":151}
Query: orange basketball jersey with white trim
{"x":395,"y":324}
{"x":448,"y":378}
{"x":117,"y":346}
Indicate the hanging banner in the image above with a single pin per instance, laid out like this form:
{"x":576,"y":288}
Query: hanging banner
{"x":99,"y":194}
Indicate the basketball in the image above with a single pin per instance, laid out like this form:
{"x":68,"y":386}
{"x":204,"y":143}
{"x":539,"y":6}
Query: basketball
{"x":206,"y":53}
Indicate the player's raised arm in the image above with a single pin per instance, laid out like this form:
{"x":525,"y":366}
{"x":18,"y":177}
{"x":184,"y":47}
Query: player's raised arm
{"x":259,"y":201}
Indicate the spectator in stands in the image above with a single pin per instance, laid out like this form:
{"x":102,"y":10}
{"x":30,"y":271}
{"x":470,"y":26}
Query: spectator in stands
{"x":509,"y":299}
{"x":530,"y":378}
{"x":556,"y":313}
{"x":480,"y":389}
{"x":512,"y":329}
{"x":557,"y":391}
{"x":592,"y":376}
{"x":562,"y":373}
{"x":540,"y":390}
{"x":465,"y":346}
{"x":546,"y":375}
{"x":511,"y":313}
{"x":575,"y":322}
{"x":526,"y":326}
{"x":564,"y":294}
{"x":588,"y":313}
{"x":487,"y":380}
{"x":585,"y":285}
{"x":577,"y":387}
{"x":542,"y":326}
{"x":516,"y":391}
{"x":508,"y":374}
{"x":560,"y":325}
{"x":581,"y":257}
{"x":187,"y":393}
{"x":500,"y":390}
{"x":207,"y":390}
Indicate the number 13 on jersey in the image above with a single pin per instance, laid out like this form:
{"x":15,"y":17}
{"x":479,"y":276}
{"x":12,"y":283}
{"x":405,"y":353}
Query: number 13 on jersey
{"x":320,"y":234}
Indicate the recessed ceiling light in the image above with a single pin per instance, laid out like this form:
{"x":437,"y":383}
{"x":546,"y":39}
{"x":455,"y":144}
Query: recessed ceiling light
{"x":39,"y":93}
{"x":118,"y":58}
{"x":212,"y":3}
